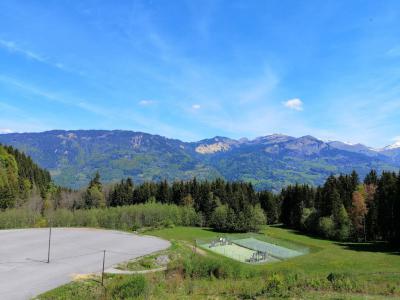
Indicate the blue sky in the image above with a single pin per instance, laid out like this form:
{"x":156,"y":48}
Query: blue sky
{"x":195,"y":69}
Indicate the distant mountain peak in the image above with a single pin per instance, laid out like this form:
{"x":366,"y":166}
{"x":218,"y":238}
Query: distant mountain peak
{"x":272,"y":161}
{"x":352,"y":147}
{"x":272,"y":138}
{"x":396,"y":145}
{"x":309,"y":137}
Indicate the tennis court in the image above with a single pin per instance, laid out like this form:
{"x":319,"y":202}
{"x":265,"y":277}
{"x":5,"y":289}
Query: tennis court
{"x":233,"y":251}
{"x":272,"y":250}
{"x":249,"y":249}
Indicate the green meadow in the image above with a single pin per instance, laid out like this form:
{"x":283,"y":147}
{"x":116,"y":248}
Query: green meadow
{"x":330,"y":270}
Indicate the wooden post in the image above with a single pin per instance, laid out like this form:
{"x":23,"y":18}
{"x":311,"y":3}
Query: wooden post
{"x":102,"y":272}
{"x":48,"y":250}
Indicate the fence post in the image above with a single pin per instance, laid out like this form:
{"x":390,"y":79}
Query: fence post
{"x":48,"y":250}
{"x":102,"y":272}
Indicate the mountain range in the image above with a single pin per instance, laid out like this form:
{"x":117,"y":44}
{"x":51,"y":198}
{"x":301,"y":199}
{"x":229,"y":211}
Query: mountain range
{"x":272,"y":161}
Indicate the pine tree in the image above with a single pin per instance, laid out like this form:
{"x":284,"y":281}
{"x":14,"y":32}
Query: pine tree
{"x":371,"y":178}
{"x":386,"y":198}
{"x":94,"y":196}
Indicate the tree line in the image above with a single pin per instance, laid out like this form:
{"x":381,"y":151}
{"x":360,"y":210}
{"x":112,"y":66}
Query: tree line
{"x":344,"y":208}
{"x":225,"y":206}
{"x":20,"y":178}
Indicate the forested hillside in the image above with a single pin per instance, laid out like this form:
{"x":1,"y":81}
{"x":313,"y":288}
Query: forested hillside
{"x":20,"y":178}
{"x":269,"y":162}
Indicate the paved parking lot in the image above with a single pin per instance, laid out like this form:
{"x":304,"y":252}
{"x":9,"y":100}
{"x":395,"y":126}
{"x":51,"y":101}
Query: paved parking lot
{"x":25,"y":273}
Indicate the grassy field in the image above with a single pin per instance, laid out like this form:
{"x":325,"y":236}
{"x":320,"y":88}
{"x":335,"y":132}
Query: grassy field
{"x":330,"y":271}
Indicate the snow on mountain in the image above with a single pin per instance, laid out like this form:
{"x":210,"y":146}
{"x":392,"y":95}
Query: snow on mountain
{"x":393,"y":146}
{"x":358,"y":148}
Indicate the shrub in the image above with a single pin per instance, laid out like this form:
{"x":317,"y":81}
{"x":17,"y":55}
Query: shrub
{"x":40,"y":223}
{"x":18,"y":218}
{"x":326,"y":227}
{"x":342,"y":281}
{"x":308,"y":219}
{"x":218,"y":217}
{"x":128,"y":287}
{"x":146,"y":263}
{"x":342,"y":221}
{"x":257,"y":218}
{"x":123,"y":217}
{"x":206,"y":267}
{"x":225,"y":219}
{"x":275,"y":286}
{"x":60,"y":217}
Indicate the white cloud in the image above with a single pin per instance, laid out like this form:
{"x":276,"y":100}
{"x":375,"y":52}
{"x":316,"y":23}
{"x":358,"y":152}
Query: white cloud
{"x":146,"y":102}
{"x":295,"y":104}
{"x":56,"y":97}
{"x":13,"y":47}
{"x":196,"y":106}
{"x":5,"y":130}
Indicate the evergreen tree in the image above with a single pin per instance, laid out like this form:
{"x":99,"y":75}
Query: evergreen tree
{"x":371,"y":178}
{"x":270,"y":204}
{"x":386,"y":198}
{"x":20,"y":178}
{"x":94,"y":196}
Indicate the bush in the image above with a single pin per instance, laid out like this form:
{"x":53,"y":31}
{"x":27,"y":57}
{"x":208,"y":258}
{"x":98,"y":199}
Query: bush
{"x":257,"y":218}
{"x":128,"y":287}
{"x":342,"y":282}
{"x":308,"y":219}
{"x":206,"y":267}
{"x":225,"y":219}
{"x":326,"y":227}
{"x":275,"y":286}
{"x":342,"y":225}
{"x":18,"y":218}
{"x":60,"y":217}
{"x":219,"y":217}
{"x":124,"y":217}
{"x":40,"y":223}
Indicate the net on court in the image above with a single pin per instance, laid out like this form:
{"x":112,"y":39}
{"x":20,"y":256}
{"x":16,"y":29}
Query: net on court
{"x":271,"y":249}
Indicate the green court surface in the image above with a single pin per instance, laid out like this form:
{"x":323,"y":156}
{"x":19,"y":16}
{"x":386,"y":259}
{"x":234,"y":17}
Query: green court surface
{"x":272,"y":250}
{"x":232,"y":251}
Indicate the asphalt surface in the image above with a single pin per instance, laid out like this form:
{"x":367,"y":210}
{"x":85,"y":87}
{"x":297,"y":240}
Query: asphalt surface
{"x":25,"y":273}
